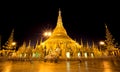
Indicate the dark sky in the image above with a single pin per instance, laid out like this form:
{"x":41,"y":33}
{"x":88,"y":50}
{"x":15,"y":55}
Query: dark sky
{"x":81,"y":19}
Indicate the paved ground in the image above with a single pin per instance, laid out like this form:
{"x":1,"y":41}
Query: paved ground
{"x":112,"y":65}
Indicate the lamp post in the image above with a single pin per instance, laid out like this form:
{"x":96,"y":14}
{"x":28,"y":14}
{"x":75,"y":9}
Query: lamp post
{"x":14,"y":45}
{"x":47,"y":34}
{"x":101,"y":44}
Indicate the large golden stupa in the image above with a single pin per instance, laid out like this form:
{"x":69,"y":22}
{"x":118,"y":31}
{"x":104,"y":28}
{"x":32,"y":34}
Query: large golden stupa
{"x":60,"y":43}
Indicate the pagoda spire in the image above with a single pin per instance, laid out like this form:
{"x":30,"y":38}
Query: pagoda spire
{"x":8,"y":44}
{"x":29,"y":44}
{"x":87,"y":45}
{"x":36,"y":44}
{"x":22,"y":48}
{"x":93,"y":44}
{"x":81,"y":43}
{"x":106,"y":26}
{"x":11,"y":36}
{"x":59,"y":29}
{"x":40,"y":42}
{"x":24,"y":44}
{"x":59,"y":21}
{"x":110,"y":41}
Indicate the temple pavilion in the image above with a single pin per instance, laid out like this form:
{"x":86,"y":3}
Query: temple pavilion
{"x":59,"y":43}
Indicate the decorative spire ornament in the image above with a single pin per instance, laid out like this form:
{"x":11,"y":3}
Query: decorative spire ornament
{"x":109,"y":39}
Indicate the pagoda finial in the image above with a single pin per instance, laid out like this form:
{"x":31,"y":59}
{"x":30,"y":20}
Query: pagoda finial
{"x":59,"y":12}
{"x":59,"y":22}
{"x":105,"y":26}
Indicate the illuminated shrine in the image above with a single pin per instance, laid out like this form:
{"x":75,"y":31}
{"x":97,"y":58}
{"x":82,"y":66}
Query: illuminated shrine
{"x":59,"y":43}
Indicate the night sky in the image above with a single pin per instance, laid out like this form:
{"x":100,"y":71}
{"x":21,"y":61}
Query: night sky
{"x":84,"y":20}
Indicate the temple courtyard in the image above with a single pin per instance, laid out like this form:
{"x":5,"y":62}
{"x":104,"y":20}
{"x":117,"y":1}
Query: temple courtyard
{"x":99,"y":65}
{"x":60,"y":53}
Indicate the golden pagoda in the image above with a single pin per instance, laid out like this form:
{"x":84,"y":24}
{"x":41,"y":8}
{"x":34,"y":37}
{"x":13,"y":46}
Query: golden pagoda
{"x":59,"y":43}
